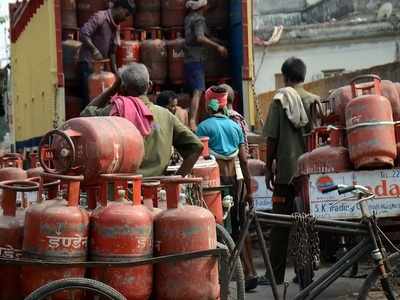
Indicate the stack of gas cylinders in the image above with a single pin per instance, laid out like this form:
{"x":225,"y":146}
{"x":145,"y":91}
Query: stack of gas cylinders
{"x":98,"y":157}
{"x":154,"y":36}
{"x":361,"y":132}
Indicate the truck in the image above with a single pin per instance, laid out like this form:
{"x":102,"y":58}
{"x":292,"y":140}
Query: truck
{"x":38,"y":88}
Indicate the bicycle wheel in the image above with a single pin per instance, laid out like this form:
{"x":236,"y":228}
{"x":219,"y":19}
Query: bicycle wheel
{"x":372,"y":289}
{"x":236,"y":290}
{"x":94,"y":286}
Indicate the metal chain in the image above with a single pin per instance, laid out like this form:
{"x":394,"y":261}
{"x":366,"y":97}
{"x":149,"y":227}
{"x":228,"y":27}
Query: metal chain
{"x":306,"y":248}
{"x":194,"y":195}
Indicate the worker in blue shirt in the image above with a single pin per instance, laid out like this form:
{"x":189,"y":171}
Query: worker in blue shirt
{"x":227,"y":144}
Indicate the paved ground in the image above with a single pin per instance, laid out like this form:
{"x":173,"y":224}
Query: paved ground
{"x":343,"y":289}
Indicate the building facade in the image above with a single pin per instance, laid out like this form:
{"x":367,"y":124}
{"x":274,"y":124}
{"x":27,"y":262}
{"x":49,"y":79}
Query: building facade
{"x":331,"y":36}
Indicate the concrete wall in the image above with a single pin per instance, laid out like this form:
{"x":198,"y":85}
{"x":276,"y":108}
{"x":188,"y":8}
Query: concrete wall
{"x":326,"y":10}
{"x":349,"y":55}
{"x":322,"y":87}
{"x":274,"y":6}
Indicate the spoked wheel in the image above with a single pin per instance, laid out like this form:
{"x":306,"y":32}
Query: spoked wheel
{"x":75,"y":284}
{"x":236,"y":288}
{"x":373,"y":287}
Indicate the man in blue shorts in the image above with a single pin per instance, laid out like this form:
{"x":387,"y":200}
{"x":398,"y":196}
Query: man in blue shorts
{"x":197,"y":39}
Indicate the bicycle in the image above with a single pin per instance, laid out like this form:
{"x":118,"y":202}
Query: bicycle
{"x":386,"y":267}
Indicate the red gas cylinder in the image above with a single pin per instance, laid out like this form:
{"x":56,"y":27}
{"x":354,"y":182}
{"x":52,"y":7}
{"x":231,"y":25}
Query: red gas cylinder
{"x":55,"y":230}
{"x":35,"y":172}
{"x":93,"y":146}
{"x":129,"y":49}
{"x":389,"y":91}
{"x":304,"y":160}
{"x":340,"y":97}
{"x":123,"y":230}
{"x":148,"y":14}
{"x":69,"y":16}
{"x":150,"y":192}
{"x":218,"y":13}
{"x":370,"y":128}
{"x":173,"y":13}
{"x":181,"y":230}
{"x":207,"y":168}
{"x":11,"y":168}
{"x":71,"y":47}
{"x":256,"y":165}
{"x":12,"y":160}
{"x":100,"y":80}
{"x":128,"y":23}
{"x":11,"y":236}
{"x":331,"y":158}
{"x":176,"y":56}
{"x":12,"y":173}
{"x":397,"y":85}
{"x":87,"y":8}
{"x":154,"y":55}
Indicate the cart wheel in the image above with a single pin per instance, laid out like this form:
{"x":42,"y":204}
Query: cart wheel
{"x":372,"y":288}
{"x":236,"y":288}
{"x":94,"y":286}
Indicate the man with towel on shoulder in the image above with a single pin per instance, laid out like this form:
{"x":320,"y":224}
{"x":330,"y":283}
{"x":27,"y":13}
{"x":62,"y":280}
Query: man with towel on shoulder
{"x":288,"y":121}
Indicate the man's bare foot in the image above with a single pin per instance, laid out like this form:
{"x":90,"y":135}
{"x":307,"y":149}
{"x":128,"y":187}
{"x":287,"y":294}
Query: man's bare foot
{"x":193,"y":125}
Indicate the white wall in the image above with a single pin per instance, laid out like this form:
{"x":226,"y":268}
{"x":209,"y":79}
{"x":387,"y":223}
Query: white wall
{"x":349,"y":56}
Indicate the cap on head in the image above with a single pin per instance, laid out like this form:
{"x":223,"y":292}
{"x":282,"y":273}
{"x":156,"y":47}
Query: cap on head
{"x":220,"y":95}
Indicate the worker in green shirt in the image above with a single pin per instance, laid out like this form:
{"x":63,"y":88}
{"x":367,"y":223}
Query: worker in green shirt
{"x":288,"y":121}
{"x":166,"y":129}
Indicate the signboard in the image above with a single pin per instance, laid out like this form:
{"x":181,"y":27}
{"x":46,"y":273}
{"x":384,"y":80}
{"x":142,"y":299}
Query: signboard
{"x":384,"y":183}
{"x":262,"y":196}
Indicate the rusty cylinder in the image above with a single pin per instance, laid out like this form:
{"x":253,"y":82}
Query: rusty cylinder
{"x":68,"y":14}
{"x":181,"y":230}
{"x":11,"y":235}
{"x":123,"y":230}
{"x":207,"y":168}
{"x":100,"y":79}
{"x":129,"y":49}
{"x":176,"y":57}
{"x":154,"y":55}
{"x":55,"y":230}
{"x":148,"y":14}
{"x":173,"y":13}
{"x":370,"y":127}
{"x":87,"y":8}
{"x":93,"y":146}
